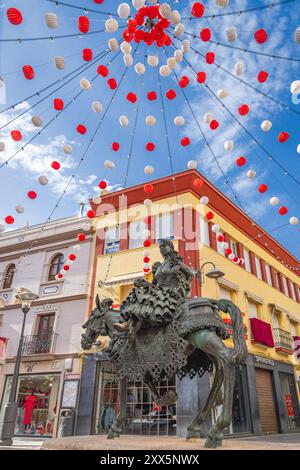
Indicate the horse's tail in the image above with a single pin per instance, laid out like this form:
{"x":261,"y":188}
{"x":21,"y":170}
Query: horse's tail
{"x":239,"y":352}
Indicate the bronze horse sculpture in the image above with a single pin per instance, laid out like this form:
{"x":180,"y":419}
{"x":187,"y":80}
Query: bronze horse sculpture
{"x":161,"y":331}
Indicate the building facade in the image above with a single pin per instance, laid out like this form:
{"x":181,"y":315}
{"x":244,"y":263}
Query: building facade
{"x":31,"y":258}
{"x":265,"y":285}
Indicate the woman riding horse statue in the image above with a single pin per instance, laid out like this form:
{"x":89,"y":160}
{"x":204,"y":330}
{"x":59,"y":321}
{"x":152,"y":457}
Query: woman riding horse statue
{"x":161,"y":331}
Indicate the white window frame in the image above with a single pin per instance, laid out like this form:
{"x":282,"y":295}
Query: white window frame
{"x":247,"y":260}
{"x":204,"y":232}
{"x":136,"y":233}
{"x":293,"y":291}
{"x":258,"y":267}
{"x":164,"y":226}
{"x":112,"y":240}
{"x":285,"y":286}
{"x":268,"y":274}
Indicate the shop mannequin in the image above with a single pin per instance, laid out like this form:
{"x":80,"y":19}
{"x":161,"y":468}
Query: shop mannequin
{"x":29,"y":405}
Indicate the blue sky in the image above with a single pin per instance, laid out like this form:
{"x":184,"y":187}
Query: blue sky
{"x":22,"y":173}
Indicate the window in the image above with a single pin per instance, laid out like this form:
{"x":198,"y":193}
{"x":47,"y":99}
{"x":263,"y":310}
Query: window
{"x":164,"y":226}
{"x":268,"y":274}
{"x":56,"y":265}
{"x":136,"y":234}
{"x":220,"y":247}
{"x":285,"y":286}
{"x":112,"y":240}
{"x":204,"y":232}
{"x":293,"y":328}
{"x":233,"y":247}
{"x":9,"y":276}
{"x":276,"y":279}
{"x":275,"y":321}
{"x":253,"y":309}
{"x":258,"y":267}
{"x":293,"y":291}
{"x":247,"y":260}
{"x":225,"y":293}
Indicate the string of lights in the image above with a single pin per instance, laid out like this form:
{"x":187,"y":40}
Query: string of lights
{"x":52,"y":38}
{"x":85,"y":10}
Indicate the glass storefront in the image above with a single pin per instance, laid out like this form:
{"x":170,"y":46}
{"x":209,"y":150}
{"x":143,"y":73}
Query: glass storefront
{"x":291,"y":400}
{"x":37,"y":403}
{"x":144,"y":417}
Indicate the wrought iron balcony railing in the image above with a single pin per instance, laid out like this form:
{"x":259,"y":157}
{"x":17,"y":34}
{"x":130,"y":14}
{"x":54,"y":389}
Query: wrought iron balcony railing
{"x":283,"y":339}
{"x":39,"y":344}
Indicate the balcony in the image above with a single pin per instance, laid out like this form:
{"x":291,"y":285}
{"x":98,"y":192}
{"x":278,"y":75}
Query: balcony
{"x":39,"y":344}
{"x":283,"y":341}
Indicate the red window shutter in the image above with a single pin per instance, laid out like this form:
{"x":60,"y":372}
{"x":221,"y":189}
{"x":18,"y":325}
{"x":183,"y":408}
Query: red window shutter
{"x":297,"y":292}
{"x":252,"y":263}
{"x":240,"y":253}
{"x":280,"y":281}
{"x":263,"y":270}
{"x":273,"y":277}
{"x":289,"y":287}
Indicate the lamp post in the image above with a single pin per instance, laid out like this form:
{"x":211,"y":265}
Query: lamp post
{"x":214,"y":273}
{"x":7,"y":426}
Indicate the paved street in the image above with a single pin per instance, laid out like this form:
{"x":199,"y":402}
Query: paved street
{"x":25,"y":443}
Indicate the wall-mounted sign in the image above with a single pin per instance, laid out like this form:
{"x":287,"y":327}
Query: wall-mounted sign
{"x":289,"y":405}
{"x":69,"y":398}
{"x":264,"y":360}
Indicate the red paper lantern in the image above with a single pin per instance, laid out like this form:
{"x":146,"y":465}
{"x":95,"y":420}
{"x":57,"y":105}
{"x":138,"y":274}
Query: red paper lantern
{"x":60,"y":276}
{"x":210,"y":57}
{"x":83,"y":24}
{"x":112,"y":83}
{"x":148,"y":188}
{"x":283,"y":136}
{"x":228,"y":251}
{"x":148,"y":220}
{"x":205,"y":34}
{"x":214,"y":125}
{"x":209,"y":215}
{"x":262,"y":76}
{"x":146,"y":270}
{"x":66,"y":267}
{"x":283,"y":210}
{"x":262,"y":188}
{"x":221,"y":238}
{"x":198,"y":9}
{"x":146,"y":259}
{"x":244,"y":109}
{"x":81,"y":237}
{"x":81,"y":129}
{"x":102,"y":70}
{"x":102,"y":185}
{"x":32,"y":194}
{"x":91,"y":214}
{"x":152,"y":95}
{"x":171,"y":94}
{"x":260,"y":36}
{"x":184,"y":81}
{"x":201,"y":77}
{"x":235,"y":259}
{"x":9,"y":219}
{"x":14,"y":16}
{"x":72,"y":257}
{"x":98,"y":1}
{"x":147,"y":243}
{"x":198,"y":183}
{"x":28,"y":72}
{"x":55,"y":165}
{"x":150,"y":146}
{"x":115,"y":146}
{"x":16,"y":135}
{"x":185,"y":141}
{"x":58,"y":104}
{"x":131,"y":97}
{"x":241,"y":161}
{"x":127,"y":35}
{"x":87,"y":54}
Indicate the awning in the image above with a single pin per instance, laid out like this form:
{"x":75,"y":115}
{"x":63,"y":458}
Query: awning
{"x":123,"y":279}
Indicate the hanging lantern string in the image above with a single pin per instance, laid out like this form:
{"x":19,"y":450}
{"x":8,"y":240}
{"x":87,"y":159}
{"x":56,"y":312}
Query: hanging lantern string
{"x":84,"y":9}
{"x":243,"y":49}
{"x":54,"y":118}
{"x":240,"y":12}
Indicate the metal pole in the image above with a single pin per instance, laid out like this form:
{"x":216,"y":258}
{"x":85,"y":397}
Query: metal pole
{"x":7,"y":426}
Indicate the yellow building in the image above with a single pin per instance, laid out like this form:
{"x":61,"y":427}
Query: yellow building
{"x":260,"y":277}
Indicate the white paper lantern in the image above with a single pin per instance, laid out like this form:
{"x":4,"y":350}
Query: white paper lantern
{"x":229,"y":145}
{"x":231,"y":256}
{"x":208,"y":117}
{"x":123,"y":10}
{"x":215,"y":228}
{"x":147,"y":253}
{"x":186,"y":46}
{"x":59,"y":62}
{"x":175,"y":17}
{"x":69,"y":262}
{"x":298,"y":148}
{"x":43,"y":180}
{"x":36,"y":121}
{"x":109,"y":164}
{"x":153,"y":60}
{"x":126,"y":47}
{"x":222,"y":3}
{"x":113,"y":44}
{"x":2,"y":228}
{"x":150,"y":120}
{"x":204,"y":200}
{"x":231,"y":34}
{"x":147,"y":202}
{"x":51,"y":20}
{"x":97,"y":107}
{"x":179,"y":121}
{"x":171,"y":62}
{"x":86,"y":227}
{"x":274,"y":201}
{"x":19,"y":209}
{"x":138,"y":3}
{"x":128,"y":60}
{"x":2,"y":146}
{"x":68,"y":149}
{"x":192,"y":164}
{"x":179,"y":30}
{"x":164,"y":70}
{"x":123,"y":120}
{"x":146,"y":234}
{"x":251,"y":174}
{"x":165,"y":10}
{"x":85,"y":84}
{"x":97,"y":200}
{"x":149,"y":170}
{"x":140,"y":68}
{"x":239,"y":68}
{"x":297,"y":35}
{"x":178,"y":54}
{"x":111,"y":25}
{"x":266,"y":126}
{"x":76,"y":248}
{"x":295,"y":87}
{"x":294,"y":221}
{"x":222,"y":93}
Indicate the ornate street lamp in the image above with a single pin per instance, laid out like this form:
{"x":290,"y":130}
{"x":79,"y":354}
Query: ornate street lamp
{"x":214,"y":273}
{"x":7,"y":427}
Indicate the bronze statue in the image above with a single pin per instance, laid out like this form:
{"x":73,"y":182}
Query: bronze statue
{"x":161,"y":331}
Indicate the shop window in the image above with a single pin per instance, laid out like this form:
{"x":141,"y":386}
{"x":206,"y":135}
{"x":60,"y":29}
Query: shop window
{"x":291,"y":400}
{"x":165,"y":226}
{"x":56,"y":265}
{"x":8,"y":276}
{"x":204,"y":232}
{"x":258,"y":267}
{"x":247,"y":260}
{"x":268,"y":274}
{"x":136,"y":234}
{"x":112,"y":240}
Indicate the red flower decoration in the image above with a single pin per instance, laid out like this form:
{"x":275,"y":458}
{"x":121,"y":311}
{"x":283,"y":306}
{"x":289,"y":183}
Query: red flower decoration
{"x":146,"y":259}
{"x":221,"y":238}
{"x":171,"y":94}
{"x":131,"y":97}
{"x":103,"y":71}
{"x":185,"y":141}
{"x":150,"y":146}
{"x":205,"y":34}
{"x":151,"y":96}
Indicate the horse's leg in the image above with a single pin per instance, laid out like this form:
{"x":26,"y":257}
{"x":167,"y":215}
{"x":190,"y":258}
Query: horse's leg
{"x":166,"y":400}
{"x":194,"y":429}
{"x":116,"y":428}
